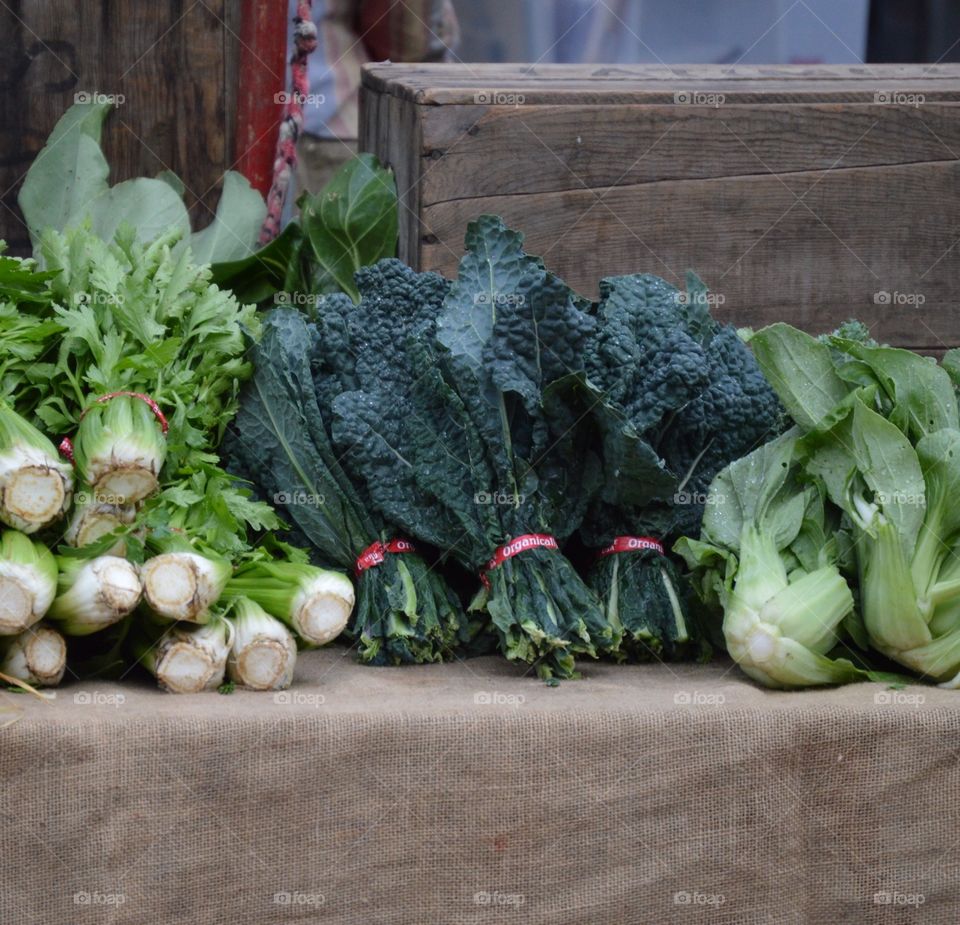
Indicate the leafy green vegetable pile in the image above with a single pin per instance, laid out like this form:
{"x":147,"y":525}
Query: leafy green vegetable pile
{"x":118,"y":340}
{"x":490,"y":419}
{"x":692,"y":393}
{"x":838,"y":542}
{"x":498,"y":462}
{"x":405,"y":612}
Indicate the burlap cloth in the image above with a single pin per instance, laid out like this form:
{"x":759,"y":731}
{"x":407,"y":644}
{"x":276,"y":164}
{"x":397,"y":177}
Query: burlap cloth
{"x":467,"y":793}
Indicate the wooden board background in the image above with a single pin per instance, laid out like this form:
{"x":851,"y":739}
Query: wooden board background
{"x":798,"y":198}
{"x":175,"y":62}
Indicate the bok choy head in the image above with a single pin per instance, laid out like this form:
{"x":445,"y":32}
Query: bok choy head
{"x":882,"y":435}
{"x":783,"y":597}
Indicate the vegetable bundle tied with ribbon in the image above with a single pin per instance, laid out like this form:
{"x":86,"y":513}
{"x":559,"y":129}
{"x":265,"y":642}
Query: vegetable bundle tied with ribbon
{"x":404,"y":611}
{"x":672,"y":396}
{"x":452,"y":438}
{"x":132,"y":353}
{"x":122,"y":340}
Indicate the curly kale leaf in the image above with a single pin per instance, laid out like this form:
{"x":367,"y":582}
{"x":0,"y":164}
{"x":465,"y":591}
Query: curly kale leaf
{"x":690,"y":398}
{"x":511,"y":330}
{"x":404,"y":611}
{"x":363,"y":346}
{"x":421,"y":467}
{"x":687,"y":384}
{"x":493,"y":272}
{"x":455,"y":444}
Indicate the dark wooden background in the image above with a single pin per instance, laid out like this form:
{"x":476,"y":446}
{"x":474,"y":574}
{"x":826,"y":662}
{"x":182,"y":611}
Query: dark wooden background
{"x":176,"y":63}
{"x":802,"y":197}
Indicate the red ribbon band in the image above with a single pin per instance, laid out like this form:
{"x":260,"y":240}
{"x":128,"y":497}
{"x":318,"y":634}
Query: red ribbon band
{"x":515,"y":547}
{"x":66,"y":449}
{"x":631,"y":544}
{"x":376,"y":552}
{"x":154,"y":407}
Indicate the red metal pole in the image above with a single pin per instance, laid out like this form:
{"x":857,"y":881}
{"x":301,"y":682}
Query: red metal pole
{"x":263,"y":74}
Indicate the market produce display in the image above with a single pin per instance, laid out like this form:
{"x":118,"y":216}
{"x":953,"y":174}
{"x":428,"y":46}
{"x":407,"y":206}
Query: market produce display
{"x":212,"y":456}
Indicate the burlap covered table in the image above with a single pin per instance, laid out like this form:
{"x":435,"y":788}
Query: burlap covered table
{"x":467,"y":793}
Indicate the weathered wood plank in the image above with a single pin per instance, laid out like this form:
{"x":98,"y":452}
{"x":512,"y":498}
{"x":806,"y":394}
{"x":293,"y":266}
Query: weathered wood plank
{"x":391,"y":127}
{"x":539,"y":84}
{"x":485,"y":151}
{"x":800,"y":195}
{"x":167,"y":60}
{"x":814,"y":252}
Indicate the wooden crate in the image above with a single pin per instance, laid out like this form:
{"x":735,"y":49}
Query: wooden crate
{"x":177,"y":67}
{"x":810,"y":194}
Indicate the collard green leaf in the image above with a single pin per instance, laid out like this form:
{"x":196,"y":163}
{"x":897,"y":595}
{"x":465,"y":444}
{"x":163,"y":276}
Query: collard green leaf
{"x":149,"y":207}
{"x":68,"y":174}
{"x":272,"y":269}
{"x":232,"y":235}
{"x":352,"y":223}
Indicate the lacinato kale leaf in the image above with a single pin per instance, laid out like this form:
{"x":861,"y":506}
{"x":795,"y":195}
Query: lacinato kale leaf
{"x":456,"y":446}
{"x":686,"y":397}
{"x":641,"y":357}
{"x":281,"y":441}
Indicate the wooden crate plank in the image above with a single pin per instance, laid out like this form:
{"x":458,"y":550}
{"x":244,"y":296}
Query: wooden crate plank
{"x":813,"y":262}
{"x":800,"y":195}
{"x":553,"y":148}
{"x":459,"y":84}
{"x":390,"y":127}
